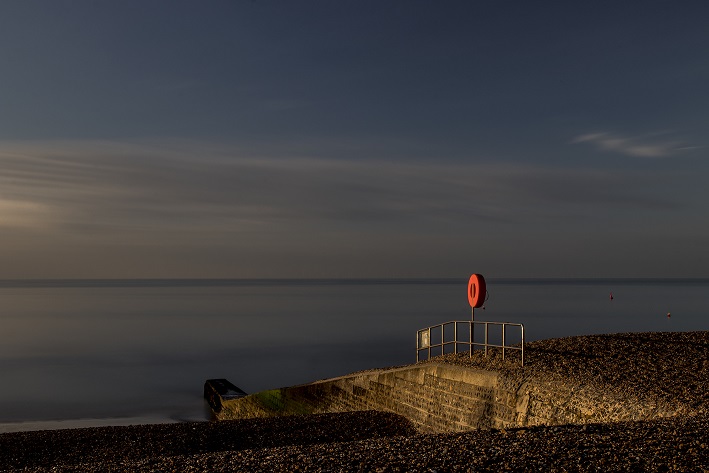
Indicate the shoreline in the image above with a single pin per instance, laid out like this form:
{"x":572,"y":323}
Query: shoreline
{"x":68,"y":424}
{"x":649,"y":367}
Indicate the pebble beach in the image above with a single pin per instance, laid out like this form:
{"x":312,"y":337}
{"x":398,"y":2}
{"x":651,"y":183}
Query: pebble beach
{"x":658,"y":367}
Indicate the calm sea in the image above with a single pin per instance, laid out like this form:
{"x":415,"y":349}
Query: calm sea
{"x":108,"y":352}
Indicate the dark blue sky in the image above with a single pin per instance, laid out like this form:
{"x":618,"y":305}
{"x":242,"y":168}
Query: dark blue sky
{"x":353,"y":138}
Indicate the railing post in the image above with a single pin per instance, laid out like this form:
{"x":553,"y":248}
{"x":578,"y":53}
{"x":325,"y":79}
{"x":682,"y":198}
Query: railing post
{"x":418,"y":339}
{"x":522,"y":345}
{"x":503,"y":342}
{"x":443,"y":338}
{"x":429,"y":343}
{"x":455,"y":338}
{"x":471,"y":341}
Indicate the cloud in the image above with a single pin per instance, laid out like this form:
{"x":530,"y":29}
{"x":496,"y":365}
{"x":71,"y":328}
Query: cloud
{"x":635,"y":146}
{"x":130,"y":191}
{"x":198,"y":209}
{"x":17,"y":213}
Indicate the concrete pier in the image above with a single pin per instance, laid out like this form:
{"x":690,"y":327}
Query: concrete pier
{"x":586,"y":381}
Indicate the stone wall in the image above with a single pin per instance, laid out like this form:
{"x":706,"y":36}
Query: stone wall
{"x":441,"y":397}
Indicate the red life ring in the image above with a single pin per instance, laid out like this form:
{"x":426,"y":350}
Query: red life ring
{"x":476,"y":291}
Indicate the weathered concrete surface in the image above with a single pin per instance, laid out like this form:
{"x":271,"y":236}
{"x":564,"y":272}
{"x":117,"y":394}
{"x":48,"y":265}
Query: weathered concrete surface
{"x":435,"y":397}
{"x":442,"y":396}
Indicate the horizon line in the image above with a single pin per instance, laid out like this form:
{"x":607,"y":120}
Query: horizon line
{"x":197,"y":282}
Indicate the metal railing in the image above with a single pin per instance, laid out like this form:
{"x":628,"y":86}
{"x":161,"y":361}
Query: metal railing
{"x":426,"y":343}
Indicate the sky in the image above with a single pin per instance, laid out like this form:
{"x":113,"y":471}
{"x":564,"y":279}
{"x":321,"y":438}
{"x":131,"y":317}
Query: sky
{"x":348,"y":139}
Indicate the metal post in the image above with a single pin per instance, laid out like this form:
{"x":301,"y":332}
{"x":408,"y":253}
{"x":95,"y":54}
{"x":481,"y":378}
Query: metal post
{"x":455,"y":338}
{"x":418,"y":345}
{"x":522,"y":345}
{"x":443,"y":338}
{"x":429,"y":343}
{"x":472,"y":332}
{"x":503,"y":341}
{"x":471,"y":340}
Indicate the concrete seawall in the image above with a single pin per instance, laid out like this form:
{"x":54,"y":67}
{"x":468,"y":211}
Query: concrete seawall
{"x":442,"y":397}
{"x":574,"y":380}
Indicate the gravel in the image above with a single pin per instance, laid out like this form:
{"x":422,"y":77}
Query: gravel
{"x":671,"y":365}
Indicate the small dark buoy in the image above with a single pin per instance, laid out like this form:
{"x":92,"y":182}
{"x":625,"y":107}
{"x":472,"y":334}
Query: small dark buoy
{"x":611,"y":297}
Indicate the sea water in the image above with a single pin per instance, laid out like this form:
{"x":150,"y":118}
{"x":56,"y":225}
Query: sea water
{"x":110,"y":352}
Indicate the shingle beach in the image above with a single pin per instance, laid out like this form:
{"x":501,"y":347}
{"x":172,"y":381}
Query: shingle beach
{"x":657,"y":367}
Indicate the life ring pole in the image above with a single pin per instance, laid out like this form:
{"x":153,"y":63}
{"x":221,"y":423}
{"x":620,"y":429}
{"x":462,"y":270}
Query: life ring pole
{"x":477,"y":293}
